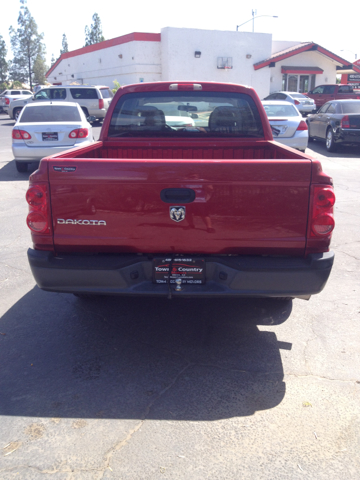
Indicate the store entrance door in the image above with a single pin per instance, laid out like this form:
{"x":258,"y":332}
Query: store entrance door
{"x":304,"y":83}
{"x":292,"y":83}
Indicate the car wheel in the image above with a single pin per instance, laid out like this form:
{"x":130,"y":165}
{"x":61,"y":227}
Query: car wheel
{"x":17,"y":113}
{"x":311,"y":139}
{"x":21,"y":166}
{"x":330,"y":144}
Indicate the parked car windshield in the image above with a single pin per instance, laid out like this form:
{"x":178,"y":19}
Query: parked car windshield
{"x":50,"y":113}
{"x":351,"y":107}
{"x":200,"y":114}
{"x":281,"y":111}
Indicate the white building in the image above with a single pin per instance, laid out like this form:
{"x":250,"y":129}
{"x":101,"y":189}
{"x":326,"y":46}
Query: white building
{"x":186,"y":54}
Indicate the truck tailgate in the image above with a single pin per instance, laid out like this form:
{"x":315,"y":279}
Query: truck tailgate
{"x":228,"y":206}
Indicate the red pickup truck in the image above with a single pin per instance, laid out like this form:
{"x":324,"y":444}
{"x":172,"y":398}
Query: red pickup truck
{"x":199,"y":201}
{"x":328,"y":92}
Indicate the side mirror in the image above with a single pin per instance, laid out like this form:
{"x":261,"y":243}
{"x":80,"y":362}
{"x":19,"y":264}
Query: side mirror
{"x":91,"y":119}
{"x":194,"y":116}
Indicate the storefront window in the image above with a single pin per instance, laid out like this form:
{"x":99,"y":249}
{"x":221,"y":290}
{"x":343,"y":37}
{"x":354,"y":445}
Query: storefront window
{"x":284,"y":82}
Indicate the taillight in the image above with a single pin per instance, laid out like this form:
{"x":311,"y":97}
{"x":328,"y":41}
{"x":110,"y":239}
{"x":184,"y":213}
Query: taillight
{"x":296,"y":102}
{"x":20,"y":135}
{"x":79,"y":133}
{"x":322,"y":219}
{"x":345,"y":122}
{"x":101,"y":103}
{"x":38,"y":219}
{"x":7,"y":101}
{"x":185,"y":86}
{"x":302,"y":125}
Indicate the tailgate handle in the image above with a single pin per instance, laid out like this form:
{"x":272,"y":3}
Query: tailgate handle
{"x":177,"y":195}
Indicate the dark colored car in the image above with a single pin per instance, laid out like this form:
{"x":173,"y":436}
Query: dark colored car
{"x":337,"y":122}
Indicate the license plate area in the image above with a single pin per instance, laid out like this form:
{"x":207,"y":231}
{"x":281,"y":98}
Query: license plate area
{"x":189,"y":270}
{"x":50,"y":137}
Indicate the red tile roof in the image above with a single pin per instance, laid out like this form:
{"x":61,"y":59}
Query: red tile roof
{"x":295,"y":50}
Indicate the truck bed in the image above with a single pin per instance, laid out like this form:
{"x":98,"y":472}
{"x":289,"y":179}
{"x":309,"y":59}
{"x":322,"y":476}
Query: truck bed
{"x":169,"y":149}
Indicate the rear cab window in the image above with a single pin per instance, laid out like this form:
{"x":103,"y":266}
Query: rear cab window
{"x":186,"y":114}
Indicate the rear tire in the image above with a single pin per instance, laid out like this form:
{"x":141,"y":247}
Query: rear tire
{"x":17,"y":112}
{"x":311,"y":139}
{"x":21,"y":166}
{"x":329,"y":141}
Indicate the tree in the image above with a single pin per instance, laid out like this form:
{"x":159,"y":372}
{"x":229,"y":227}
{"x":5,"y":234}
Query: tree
{"x":65,"y":46}
{"x":4,"y":66}
{"x":94,"y":33}
{"x":40,"y":68}
{"x":53,"y":59}
{"x":26,"y":44}
{"x":117,"y":86}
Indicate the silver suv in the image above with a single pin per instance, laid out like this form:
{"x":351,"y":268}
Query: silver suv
{"x":93,"y":99}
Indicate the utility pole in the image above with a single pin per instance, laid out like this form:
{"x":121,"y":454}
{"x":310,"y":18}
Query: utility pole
{"x":254,"y":12}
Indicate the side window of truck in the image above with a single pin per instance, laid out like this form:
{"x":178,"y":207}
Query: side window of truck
{"x":318,"y":90}
{"x":329,"y":89}
{"x":345,"y":89}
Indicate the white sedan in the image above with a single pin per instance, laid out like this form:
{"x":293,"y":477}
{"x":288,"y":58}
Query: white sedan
{"x":48,"y":128}
{"x":287,"y":124}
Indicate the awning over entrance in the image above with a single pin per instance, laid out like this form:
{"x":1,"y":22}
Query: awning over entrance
{"x":350,"y":69}
{"x":302,"y":70}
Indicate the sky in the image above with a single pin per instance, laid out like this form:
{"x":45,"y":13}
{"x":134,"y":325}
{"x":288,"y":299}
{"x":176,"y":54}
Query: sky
{"x":332,"y":27}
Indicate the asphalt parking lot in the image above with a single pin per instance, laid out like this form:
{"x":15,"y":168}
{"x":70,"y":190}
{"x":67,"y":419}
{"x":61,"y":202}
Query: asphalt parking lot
{"x":149,"y":389}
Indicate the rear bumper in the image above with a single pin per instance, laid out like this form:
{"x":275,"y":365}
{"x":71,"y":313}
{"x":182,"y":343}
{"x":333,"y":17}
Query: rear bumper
{"x":242,"y":276}
{"x":299,"y":140}
{"x":306,"y":108}
{"x":348,"y":136}
{"x":22,"y":152}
